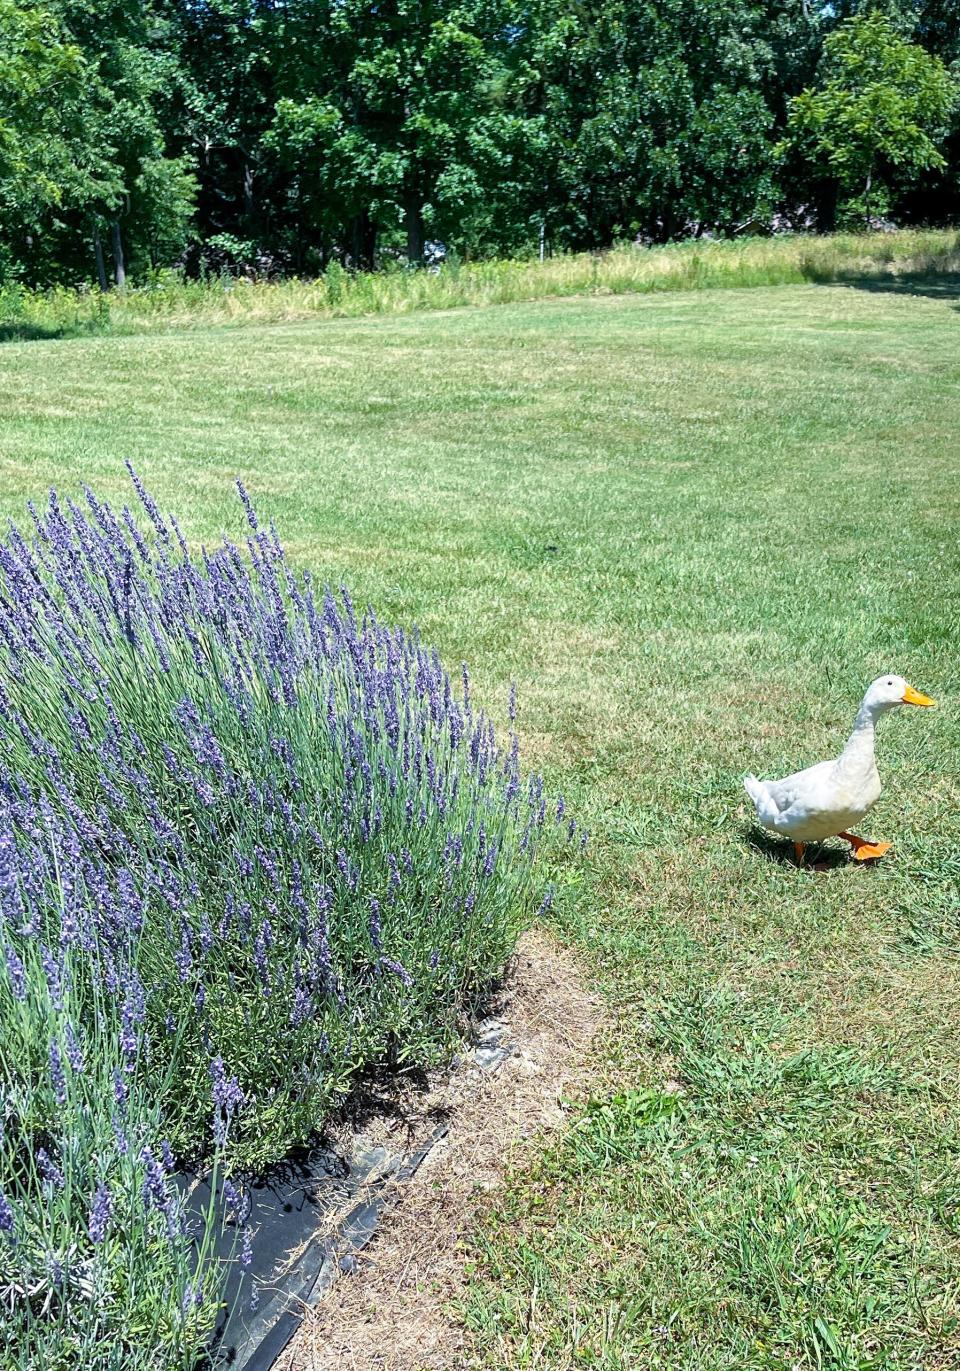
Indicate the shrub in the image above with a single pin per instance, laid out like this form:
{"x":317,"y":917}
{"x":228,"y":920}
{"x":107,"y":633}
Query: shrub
{"x":249,"y":844}
{"x":97,"y":1265}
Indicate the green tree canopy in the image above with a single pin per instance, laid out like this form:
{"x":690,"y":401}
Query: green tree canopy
{"x":266,"y":137}
{"x":883,"y":103}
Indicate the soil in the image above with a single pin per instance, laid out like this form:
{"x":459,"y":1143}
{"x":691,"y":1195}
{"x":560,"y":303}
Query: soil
{"x":395,"y":1307}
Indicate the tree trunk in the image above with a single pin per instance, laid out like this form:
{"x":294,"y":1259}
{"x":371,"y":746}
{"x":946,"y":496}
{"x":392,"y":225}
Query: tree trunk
{"x":363,"y":242}
{"x":119,"y":272}
{"x":102,"y":280}
{"x":413,"y":218}
{"x":866,"y":199}
{"x":248,"y":202}
{"x":300,"y":222}
{"x":826,"y":195}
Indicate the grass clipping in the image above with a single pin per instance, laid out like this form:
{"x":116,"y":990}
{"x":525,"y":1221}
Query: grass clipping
{"x":396,"y":1312}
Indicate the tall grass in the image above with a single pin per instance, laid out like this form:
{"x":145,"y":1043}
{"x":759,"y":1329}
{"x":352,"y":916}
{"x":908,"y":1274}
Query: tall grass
{"x":170,"y":301}
{"x":250,"y":843}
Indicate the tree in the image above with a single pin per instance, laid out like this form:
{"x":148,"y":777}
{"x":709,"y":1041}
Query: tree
{"x":658,"y":114}
{"x":390,"y":114}
{"x":42,"y":74}
{"x":883,"y":103}
{"x":84,"y":173}
{"x":226,"y":59}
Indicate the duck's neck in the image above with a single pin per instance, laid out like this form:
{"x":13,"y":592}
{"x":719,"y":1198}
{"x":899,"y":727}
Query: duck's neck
{"x":859,"y":751}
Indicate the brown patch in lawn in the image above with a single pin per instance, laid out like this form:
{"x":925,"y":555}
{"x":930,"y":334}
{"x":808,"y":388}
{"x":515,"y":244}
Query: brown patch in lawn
{"x":394,"y":1313}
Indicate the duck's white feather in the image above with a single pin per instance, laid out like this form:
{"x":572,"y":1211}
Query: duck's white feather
{"x":823,"y":800}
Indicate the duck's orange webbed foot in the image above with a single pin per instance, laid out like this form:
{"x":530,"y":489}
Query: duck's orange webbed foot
{"x":798,"y":850}
{"x":864,"y":851}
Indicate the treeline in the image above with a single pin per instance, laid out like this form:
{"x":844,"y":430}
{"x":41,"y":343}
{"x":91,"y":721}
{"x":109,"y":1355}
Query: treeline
{"x":278,"y":136}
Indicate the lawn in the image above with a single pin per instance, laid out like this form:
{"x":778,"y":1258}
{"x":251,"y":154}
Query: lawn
{"x":692,"y":527}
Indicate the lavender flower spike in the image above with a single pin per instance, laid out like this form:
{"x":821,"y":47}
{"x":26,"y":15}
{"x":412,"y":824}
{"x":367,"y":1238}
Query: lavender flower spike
{"x":101,"y":1212}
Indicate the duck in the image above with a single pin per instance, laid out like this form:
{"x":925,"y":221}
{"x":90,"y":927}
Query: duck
{"x":829,"y":799}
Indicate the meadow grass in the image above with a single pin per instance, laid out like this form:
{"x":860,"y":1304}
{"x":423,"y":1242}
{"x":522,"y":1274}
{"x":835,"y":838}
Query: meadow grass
{"x":170,"y":301}
{"x":692,"y":527}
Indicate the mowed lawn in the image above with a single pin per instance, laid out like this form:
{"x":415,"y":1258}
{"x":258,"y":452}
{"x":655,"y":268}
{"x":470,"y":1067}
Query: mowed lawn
{"x":693,"y":528}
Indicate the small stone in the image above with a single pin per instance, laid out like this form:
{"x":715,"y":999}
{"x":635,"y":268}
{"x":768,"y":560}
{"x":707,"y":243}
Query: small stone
{"x":348,"y":1264}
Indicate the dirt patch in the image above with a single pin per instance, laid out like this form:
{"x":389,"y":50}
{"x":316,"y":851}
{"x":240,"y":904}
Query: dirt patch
{"x":392,"y":1312}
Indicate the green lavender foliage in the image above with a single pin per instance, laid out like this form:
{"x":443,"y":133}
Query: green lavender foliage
{"x":98,"y":1267}
{"x":250,"y":845}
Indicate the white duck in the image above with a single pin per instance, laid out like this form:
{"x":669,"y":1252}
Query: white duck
{"x":828,"y":799}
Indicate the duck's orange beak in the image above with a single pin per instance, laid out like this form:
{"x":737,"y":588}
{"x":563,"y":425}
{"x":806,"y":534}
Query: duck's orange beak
{"x":914,"y":697}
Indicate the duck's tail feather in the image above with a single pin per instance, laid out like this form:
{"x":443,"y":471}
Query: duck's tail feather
{"x":763,"y":801}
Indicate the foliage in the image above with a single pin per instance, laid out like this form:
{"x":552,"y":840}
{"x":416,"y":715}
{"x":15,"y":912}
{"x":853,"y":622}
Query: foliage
{"x":250,"y":845}
{"x":99,"y":1264}
{"x":38,"y":171}
{"x":882,"y":102}
{"x":406,"y":130}
{"x":652,"y":119}
{"x":267,"y":140}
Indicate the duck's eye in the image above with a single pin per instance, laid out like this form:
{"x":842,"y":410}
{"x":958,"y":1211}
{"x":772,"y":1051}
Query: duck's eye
{"x":890,"y":681}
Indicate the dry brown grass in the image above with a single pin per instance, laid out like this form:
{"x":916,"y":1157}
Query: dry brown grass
{"x":395,"y":1313}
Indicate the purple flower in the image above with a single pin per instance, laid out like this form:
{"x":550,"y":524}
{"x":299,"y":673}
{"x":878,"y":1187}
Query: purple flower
{"x":149,"y":505}
{"x":376,"y":926}
{"x":226,"y":1093}
{"x":246,"y":1251}
{"x":119,"y":1133}
{"x":154,"y":1188}
{"x":18,"y":979}
{"x":239,"y":1203}
{"x":398,"y":969}
{"x":101,"y":1212}
{"x":6,"y":1214}
{"x":132,"y":1015}
{"x":231,"y":1195}
{"x":227,"y":1099}
{"x":310,"y":769}
{"x":262,"y":944}
{"x":546,"y":903}
{"x":248,"y":506}
{"x":119,"y":1089}
{"x":74,"y":1050}
{"x":49,"y":1169}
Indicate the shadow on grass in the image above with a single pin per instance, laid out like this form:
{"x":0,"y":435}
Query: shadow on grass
{"x":24,"y":331}
{"x":944,"y":288}
{"x":817,"y":857}
{"x":16,"y":332}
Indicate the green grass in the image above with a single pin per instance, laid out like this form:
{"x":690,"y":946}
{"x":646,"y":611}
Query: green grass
{"x":693,"y":527}
{"x":169,"y":301}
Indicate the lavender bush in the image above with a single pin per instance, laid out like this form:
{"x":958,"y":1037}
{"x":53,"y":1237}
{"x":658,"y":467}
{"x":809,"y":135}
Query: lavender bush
{"x":98,"y":1266}
{"x":249,"y":844}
